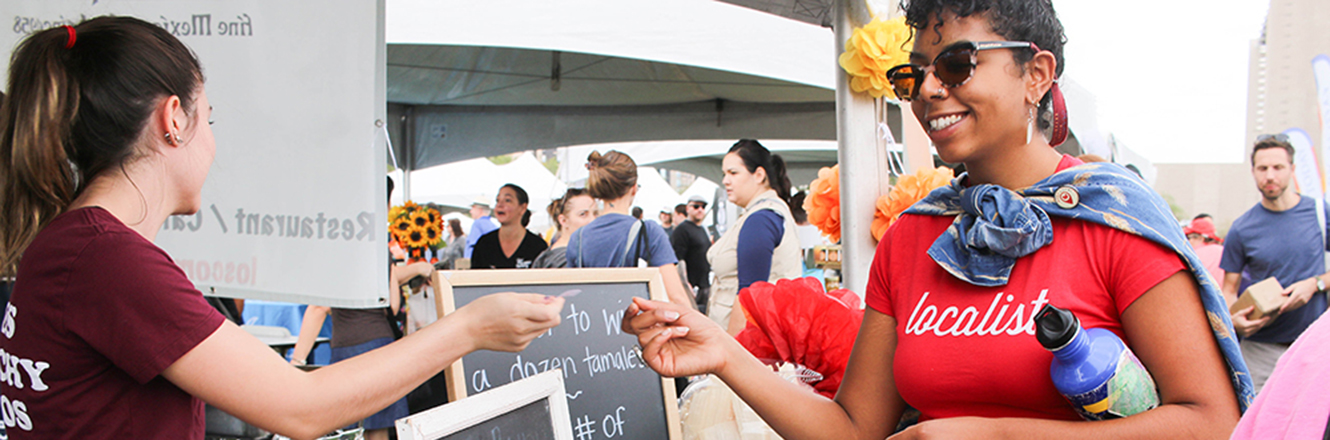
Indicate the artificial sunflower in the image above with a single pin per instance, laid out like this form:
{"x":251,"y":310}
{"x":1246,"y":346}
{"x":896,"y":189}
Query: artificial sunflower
{"x":400,"y":227}
{"x":415,"y":238}
{"x":432,"y":237}
{"x":419,"y":219}
{"x":396,"y":212}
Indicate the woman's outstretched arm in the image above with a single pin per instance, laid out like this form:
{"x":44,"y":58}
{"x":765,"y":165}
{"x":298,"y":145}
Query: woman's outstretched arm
{"x":242,"y":376}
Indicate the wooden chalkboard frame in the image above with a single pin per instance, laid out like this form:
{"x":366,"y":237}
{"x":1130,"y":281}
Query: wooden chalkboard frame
{"x":446,"y":420}
{"x":444,"y":281}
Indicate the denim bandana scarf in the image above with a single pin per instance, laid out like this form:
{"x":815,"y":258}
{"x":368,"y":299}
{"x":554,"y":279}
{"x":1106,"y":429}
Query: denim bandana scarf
{"x":995,"y":226}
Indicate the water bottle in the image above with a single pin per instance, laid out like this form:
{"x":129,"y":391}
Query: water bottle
{"x":1093,"y":369}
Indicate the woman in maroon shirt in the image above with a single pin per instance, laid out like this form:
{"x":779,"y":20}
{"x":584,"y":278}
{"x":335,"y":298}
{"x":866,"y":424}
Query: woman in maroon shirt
{"x":105,"y":337}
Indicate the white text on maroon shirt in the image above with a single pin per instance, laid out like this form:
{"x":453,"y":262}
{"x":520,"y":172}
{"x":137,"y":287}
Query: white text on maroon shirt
{"x":955,"y":321}
{"x":14,"y":413}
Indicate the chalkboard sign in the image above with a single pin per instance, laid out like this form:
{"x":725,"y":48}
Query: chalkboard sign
{"x":612,"y":393}
{"x":535,"y":408}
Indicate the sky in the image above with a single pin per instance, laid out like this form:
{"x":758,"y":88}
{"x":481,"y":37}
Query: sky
{"x":1170,"y":76}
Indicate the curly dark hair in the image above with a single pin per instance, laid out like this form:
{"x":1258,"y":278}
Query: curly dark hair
{"x":1016,"y":20}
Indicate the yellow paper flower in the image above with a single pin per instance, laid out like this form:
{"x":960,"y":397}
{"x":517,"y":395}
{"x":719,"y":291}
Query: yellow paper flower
{"x":908,"y":190}
{"x":823,"y":202}
{"x":874,"y":49}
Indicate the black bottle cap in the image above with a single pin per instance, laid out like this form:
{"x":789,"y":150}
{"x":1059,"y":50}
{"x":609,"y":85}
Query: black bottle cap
{"x":1055,"y":328}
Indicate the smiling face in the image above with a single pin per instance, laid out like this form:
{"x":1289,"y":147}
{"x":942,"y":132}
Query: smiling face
{"x":507,"y":210}
{"x":740,"y":184}
{"x":968,"y":123}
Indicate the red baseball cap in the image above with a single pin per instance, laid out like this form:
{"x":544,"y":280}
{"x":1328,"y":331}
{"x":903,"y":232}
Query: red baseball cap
{"x":1203,"y":226}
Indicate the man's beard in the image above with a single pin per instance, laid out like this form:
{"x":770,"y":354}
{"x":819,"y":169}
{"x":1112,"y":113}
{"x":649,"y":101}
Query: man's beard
{"x":1276,"y":193}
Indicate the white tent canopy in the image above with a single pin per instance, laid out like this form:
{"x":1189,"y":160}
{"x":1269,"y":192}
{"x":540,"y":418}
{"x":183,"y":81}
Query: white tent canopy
{"x":702,"y":158}
{"x":471,"y":79}
{"x":459,"y":184}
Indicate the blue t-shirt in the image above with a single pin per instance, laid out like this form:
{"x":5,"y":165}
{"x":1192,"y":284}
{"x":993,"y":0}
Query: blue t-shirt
{"x":758,"y":239}
{"x":479,"y":228}
{"x":605,"y":238}
{"x":1286,"y":245}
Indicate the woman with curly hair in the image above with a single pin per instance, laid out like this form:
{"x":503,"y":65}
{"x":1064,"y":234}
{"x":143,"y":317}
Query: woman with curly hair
{"x":957,"y":279}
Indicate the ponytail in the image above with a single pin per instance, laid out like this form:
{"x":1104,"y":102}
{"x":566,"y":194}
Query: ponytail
{"x":779,"y":178}
{"x":79,"y":99}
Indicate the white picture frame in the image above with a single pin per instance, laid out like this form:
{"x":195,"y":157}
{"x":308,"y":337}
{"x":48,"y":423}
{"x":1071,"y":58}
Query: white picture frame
{"x":445,"y":420}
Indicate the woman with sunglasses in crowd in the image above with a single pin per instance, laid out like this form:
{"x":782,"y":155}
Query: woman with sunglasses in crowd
{"x":571,"y":212}
{"x":956,"y":280}
{"x":762,"y":244}
{"x":104,"y":135}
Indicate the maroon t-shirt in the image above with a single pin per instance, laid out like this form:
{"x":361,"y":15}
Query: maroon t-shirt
{"x":98,"y":312}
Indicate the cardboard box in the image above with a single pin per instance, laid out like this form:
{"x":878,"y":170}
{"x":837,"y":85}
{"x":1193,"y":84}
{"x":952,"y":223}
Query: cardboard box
{"x":1267,"y":296}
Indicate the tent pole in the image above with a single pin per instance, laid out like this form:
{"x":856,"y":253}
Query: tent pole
{"x":408,"y":150}
{"x":863,"y":166}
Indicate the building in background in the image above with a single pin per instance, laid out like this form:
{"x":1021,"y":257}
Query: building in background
{"x":1281,"y":92}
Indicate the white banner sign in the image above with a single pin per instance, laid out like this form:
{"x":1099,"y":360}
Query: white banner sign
{"x":1304,"y":157}
{"x":1321,"y":71}
{"x":294,"y":208}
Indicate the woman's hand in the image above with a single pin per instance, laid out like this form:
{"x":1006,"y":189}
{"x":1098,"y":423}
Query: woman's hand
{"x":676,"y":340}
{"x":509,"y":321}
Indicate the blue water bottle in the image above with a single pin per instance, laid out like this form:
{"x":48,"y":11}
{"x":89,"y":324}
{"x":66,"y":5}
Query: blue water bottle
{"x":1093,"y":369}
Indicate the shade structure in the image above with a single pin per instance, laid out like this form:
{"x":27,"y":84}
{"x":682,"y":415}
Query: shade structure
{"x":472,"y":79}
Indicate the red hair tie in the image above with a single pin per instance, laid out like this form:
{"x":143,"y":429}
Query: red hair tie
{"x":73,"y":36}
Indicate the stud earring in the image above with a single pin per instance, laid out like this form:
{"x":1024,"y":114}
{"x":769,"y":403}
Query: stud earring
{"x":173,"y":141}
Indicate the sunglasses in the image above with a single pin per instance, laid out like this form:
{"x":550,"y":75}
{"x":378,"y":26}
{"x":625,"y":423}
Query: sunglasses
{"x":1281,"y":137}
{"x":698,"y":206}
{"x":953,"y":67}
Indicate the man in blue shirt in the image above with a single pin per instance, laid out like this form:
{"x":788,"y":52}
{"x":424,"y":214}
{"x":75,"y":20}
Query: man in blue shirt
{"x":1280,"y":237}
{"x":481,"y":224}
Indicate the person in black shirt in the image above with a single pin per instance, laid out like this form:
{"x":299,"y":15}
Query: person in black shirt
{"x":691,"y":243}
{"x":512,"y":245}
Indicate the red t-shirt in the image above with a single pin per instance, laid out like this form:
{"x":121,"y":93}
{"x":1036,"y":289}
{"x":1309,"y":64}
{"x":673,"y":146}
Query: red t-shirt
{"x":966,"y":350}
{"x":97,"y":314}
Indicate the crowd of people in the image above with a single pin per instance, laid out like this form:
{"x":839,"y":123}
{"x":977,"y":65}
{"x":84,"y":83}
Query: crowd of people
{"x":105,"y":133}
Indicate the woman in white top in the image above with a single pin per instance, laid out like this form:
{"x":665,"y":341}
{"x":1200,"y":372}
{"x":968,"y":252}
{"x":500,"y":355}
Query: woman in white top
{"x":763,"y":244}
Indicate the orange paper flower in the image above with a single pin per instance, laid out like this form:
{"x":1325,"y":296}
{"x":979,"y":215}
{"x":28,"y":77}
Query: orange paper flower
{"x":823,"y":202}
{"x":908,"y":190}
{"x":874,"y":49}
